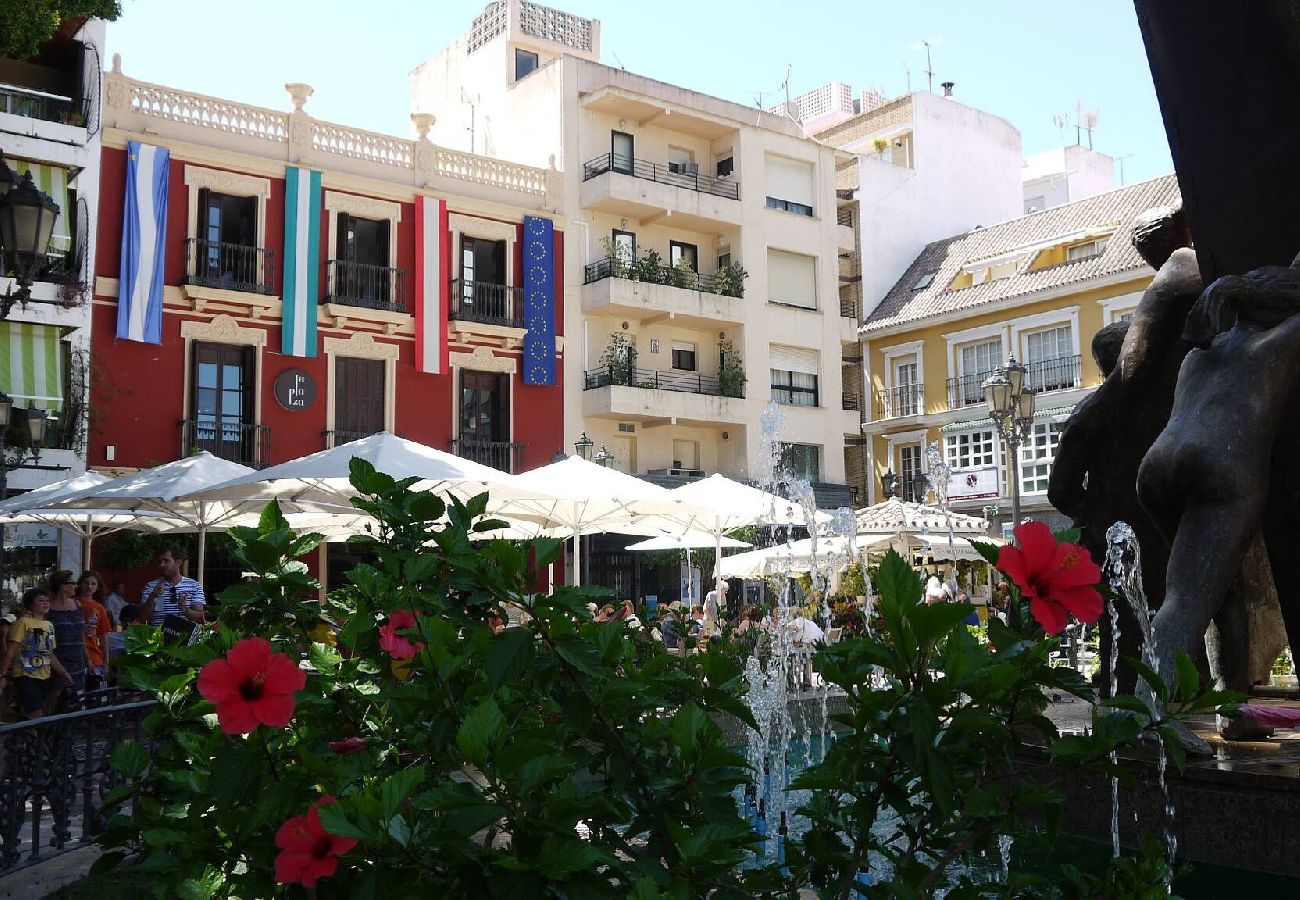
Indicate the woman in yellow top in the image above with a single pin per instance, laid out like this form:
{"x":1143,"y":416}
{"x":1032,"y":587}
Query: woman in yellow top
{"x":29,"y":656}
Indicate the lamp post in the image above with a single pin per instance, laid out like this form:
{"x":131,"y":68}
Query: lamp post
{"x":604,"y":457}
{"x":34,"y":437}
{"x":27,"y":219}
{"x":1011,"y":406}
{"x":582,"y":446}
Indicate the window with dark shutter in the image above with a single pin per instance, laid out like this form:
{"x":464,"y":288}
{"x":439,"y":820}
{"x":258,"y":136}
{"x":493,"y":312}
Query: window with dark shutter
{"x":359,"y":399}
{"x":221,"y":401}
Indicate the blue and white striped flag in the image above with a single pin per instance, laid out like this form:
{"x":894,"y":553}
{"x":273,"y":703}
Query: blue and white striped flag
{"x":302,"y":201}
{"x":144,"y":233}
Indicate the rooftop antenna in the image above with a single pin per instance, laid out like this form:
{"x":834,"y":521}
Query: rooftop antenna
{"x":1120,"y":160}
{"x":929,"y":70}
{"x":1089,"y":123}
{"x":617,"y":60}
{"x":907,"y":70}
{"x":1061,"y":122}
{"x":464,"y":98}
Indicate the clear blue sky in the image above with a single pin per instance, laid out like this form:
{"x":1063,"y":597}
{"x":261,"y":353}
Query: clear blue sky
{"x":1025,"y":61}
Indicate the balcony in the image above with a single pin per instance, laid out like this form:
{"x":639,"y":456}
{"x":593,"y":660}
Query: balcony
{"x":487,"y":304}
{"x":248,"y":445}
{"x":640,"y":290}
{"x":367,"y":286}
{"x":967,"y":390}
{"x":901,"y":400}
{"x":32,"y":104}
{"x":645,"y":191}
{"x":650,"y":395}
{"x":338,"y":436}
{"x":502,"y":455}
{"x":229,"y":267}
{"x":661,"y":174}
{"x":914,"y":490}
{"x":1060,"y":374}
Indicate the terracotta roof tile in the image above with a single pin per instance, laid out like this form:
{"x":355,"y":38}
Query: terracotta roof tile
{"x":945,"y":258}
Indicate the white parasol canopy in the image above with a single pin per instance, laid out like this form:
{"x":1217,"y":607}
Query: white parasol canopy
{"x":797,"y":557}
{"x":582,"y":497}
{"x":86,"y":524}
{"x":895,"y":516}
{"x":692,"y":540}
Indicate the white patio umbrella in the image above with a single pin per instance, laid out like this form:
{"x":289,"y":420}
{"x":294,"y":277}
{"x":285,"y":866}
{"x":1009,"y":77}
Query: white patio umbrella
{"x":692,"y":540}
{"x":86,"y":524}
{"x":733,"y":505}
{"x":323,"y":478}
{"x":164,"y":490}
{"x":797,"y":557}
{"x":582,"y":497}
{"x":895,"y":516}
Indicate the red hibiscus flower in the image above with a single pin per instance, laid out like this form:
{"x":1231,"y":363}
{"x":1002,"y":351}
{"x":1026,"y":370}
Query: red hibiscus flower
{"x":251,"y":685}
{"x":348,"y":746}
{"x":1058,"y":579}
{"x":308,"y":852}
{"x":394,"y":644}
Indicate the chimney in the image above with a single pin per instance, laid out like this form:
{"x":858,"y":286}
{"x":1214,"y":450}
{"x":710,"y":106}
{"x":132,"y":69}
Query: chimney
{"x":947,"y":88}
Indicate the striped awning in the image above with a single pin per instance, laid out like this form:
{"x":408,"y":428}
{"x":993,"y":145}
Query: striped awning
{"x":1051,"y":414}
{"x":31,"y":365}
{"x":53,"y":180}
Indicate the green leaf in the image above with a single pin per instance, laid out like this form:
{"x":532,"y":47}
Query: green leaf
{"x":508,"y":655}
{"x":130,"y":758}
{"x":324,"y":658}
{"x":1148,"y":674}
{"x":399,"y":830}
{"x":398,"y":787}
{"x":1189,"y":680}
{"x":898,"y":583}
{"x":582,"y":655}
{"x":987,"y":550}
{"x":480,"y":730}
{"x":334,"y":819}
{"x":931,"y":623}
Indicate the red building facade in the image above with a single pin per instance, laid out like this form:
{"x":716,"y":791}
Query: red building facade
{"x":220,"y":379}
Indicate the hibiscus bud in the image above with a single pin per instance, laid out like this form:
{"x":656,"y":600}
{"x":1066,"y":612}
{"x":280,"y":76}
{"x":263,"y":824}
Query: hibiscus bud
{"x":348,"y":746}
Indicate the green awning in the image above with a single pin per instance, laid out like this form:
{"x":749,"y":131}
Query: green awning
{"x":1040,"y":415}
{"x":53,"y":180}
{"x":31,"y":365}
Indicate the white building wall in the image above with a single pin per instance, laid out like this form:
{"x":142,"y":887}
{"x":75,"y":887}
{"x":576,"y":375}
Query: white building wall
{"x":966,"y":173}
{"x":1065,"y":175}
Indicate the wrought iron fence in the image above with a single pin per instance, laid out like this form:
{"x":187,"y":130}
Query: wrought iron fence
{"x":491,"y":304}
{"x":353,"y":283}
{"x":654,"y":379}
{"x":248,"y":445}
{"x":336,"y":436}
{"x":967,"y":390}
{"x":672,"y":174}
{"x":1059,"y":374}
{"x":642,"y":270}
{"x":55,"y":773}
{"x":503,"y":455}
{"x":230,"y":267}
{"x":46,"y":107}
{"x":900,"y":400}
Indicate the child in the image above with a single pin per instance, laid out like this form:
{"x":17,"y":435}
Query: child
{"x":128,"y":615}
{"x":30,"y":653}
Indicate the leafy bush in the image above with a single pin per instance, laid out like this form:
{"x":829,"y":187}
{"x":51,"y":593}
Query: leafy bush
{"x":417,"y":752}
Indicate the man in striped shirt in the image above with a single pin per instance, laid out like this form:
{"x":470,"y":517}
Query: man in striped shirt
{"x":173,"y":594}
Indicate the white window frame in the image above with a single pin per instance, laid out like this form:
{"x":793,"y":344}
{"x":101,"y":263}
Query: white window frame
{"x":900,"y":353}
{"x":485,"y":229}
{"x":1114,"y":307}
{"x":223,"y":329}
{"x":1057,"y":318}
{"x":235,"y":184}
{"x":1023,"y":461}
{"x":951,"y":451}
{"x":371,"y":208}
{"x":362,"y":346}
{"x":481,"y":359}
{"x":959,"y":339}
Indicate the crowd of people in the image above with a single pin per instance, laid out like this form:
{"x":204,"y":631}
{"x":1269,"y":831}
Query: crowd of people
{"x":60,"y":645}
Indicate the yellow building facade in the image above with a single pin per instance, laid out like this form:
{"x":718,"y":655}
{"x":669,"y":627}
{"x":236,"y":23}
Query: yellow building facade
{"x":1039,"y":287}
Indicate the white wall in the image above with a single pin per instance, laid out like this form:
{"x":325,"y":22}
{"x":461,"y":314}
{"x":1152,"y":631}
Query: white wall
{"x":967,"y":173}
{"x":1066,"y":175}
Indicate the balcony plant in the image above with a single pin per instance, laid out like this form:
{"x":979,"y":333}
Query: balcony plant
{"x":650,"y":268}
{"x":731,"y":371}
{"x":729,"y":280}
{"x":881,"y":146}
{"x":683,"y":276}
{"x":619,"y":359}
{"x":622,"y":263}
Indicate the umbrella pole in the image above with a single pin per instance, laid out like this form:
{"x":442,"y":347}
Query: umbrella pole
{"x":203,"y":547}
{"x":577,"y":559}
{"x":717,"y":571}
{"x":690,"y":581}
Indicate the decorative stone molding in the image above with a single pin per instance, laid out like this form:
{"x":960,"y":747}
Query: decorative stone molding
{"x":227,"y":182}
{"x":484,"y":360}
{"x":362,"y":346}
{"x":298,"y":93}
{"x":487,"y":229}
{"x":223,"y":330}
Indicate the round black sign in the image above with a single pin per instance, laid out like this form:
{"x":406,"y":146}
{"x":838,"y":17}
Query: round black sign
{"x":295,"y":390}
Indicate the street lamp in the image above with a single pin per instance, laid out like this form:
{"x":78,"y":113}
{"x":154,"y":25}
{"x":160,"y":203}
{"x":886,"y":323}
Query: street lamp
{"x":1011,"y":406}
{"x":27,"y":219}
{"x":604,"y":457}
{"x":7,"y":177}
{"x":582,"y":446}
{"x":34,"y":437}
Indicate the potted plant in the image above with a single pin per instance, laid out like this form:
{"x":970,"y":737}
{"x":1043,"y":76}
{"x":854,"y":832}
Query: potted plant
{"x":881,"y":146}
{"x":650,"y":268}
{"x":619,"y":359}
{"x":621,"y":261}
{"x":683,"y":276}
{"x":729,"y":280}
{"x":731,"y":371}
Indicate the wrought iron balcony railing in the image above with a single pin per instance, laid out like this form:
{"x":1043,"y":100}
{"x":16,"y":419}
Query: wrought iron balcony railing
{"x":38,"y":105}
{"x":642,"y":270}
{"x":1059,"y":374}
{"x":336,"y":436}
{"x":230,"y":267}
{"x":967,"y":390}
{"x":506,"y":456}
{"x":239,"y":442}
{"x":353,"y":283}
{"x":491,"y":304}
{"x":657,"y":380}
{"x":663,"y":174}
{"x":900,"y":400}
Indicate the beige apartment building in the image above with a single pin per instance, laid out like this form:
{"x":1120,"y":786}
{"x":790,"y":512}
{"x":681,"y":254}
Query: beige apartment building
{"x":701,"y":256}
